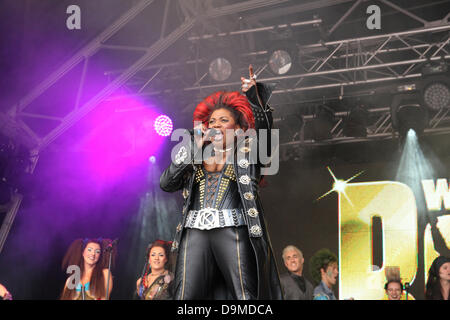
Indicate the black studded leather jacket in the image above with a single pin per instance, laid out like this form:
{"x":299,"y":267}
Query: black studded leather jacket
{"x":181,"y":174}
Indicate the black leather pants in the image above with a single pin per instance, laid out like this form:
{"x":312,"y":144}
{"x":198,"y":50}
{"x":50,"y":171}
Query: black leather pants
{"x":209,"y":258}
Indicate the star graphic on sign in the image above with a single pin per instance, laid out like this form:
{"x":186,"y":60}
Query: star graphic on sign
{"x":339,"y":186}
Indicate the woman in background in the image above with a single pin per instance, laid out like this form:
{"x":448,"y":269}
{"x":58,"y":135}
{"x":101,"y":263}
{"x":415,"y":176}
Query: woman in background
{"x":89,"y":258}
{"x":155,"y":279}
{"x":438,"y":284}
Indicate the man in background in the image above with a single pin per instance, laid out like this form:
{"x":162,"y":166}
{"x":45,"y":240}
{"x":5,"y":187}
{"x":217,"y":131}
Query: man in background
{"x":324,"y":269}
{"x":295,"y":286}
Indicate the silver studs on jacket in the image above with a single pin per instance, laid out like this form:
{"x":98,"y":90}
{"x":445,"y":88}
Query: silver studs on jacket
{"x":252,"y":212}
{"x":245,"y":179}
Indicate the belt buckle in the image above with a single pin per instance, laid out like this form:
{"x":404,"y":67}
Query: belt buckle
{"x":207,"y":219}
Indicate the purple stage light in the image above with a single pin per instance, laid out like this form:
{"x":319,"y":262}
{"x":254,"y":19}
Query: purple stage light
{"x":119,"y":142}
{"x":163,"y":125}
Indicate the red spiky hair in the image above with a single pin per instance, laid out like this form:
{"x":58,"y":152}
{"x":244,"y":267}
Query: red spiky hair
{"x":233,"y":101}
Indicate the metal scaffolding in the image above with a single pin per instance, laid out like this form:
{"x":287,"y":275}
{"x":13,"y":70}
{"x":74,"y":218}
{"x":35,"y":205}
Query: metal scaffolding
{"x":339,"y":64}
{"x":19,"y":112}
{"x":328,"y":64}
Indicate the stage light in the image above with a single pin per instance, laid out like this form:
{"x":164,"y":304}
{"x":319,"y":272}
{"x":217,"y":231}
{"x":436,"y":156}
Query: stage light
{"x":152,"y":159}
{"x":433,"y":90}
{"x":355,"y":124}
{"x":220,"y":69}
{"x":410,"y":116}
{"x":436,"y":95}
{"x":163,"y":125}
{"x":280,"y":62}
{"x":435,"y":85}
{"x":407,"y":112}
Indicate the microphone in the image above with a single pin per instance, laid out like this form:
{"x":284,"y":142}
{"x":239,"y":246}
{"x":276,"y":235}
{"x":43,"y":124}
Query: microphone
{"x":111,"y":245}
{"x":208,"y":134}
{"x":212,"y":132}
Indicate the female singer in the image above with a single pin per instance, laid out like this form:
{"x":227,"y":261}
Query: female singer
{"x":223,"y":247}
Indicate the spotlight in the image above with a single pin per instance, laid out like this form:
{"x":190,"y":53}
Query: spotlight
{"x":152,"y":159}
{"x":280,"y":62}
{"x":436,"y":92}
{"x":437,"y":96}
{"x":355,"y":125}
{"x":435,"y":87}
{"x":407,"y":113}
{"x":163,"y":125}
{"x":220,"y":69}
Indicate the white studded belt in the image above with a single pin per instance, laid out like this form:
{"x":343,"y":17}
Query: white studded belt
{"x":210,"y":218}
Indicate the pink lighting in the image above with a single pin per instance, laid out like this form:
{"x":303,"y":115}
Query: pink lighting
{"x":121,"y":138}
{"x":163,"y":125}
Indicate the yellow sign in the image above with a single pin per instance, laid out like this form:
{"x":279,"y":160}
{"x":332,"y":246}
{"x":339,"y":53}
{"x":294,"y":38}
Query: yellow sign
{"x":395,"y":204}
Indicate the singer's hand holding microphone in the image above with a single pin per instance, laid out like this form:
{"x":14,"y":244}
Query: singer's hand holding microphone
{"x":202,"y":134}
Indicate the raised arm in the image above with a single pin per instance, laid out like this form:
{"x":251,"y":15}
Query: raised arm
{"x":438,"y":240}
{"x":258,"y":94}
